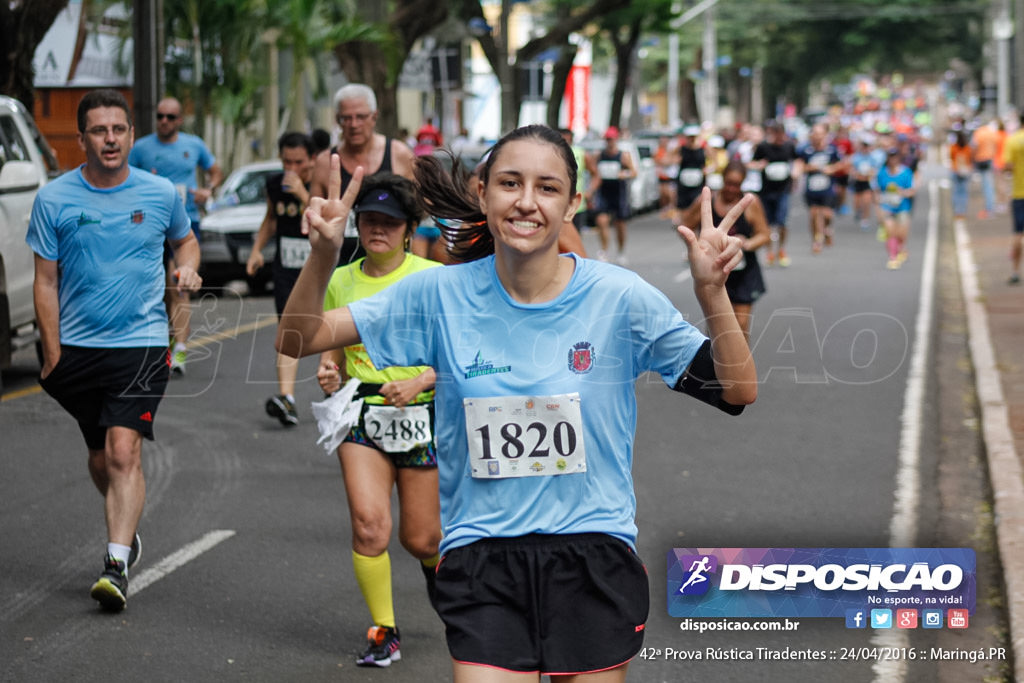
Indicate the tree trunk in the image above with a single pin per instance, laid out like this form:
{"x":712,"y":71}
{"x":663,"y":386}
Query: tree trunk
{"x":361,"y":62}
{"x":625,"y":52}
{"x":559,"y":77}
{"x":22,"y":28}
{"x":369,"y":63}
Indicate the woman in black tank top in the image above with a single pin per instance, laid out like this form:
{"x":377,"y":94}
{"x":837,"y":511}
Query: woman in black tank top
{"x":745,"y":284}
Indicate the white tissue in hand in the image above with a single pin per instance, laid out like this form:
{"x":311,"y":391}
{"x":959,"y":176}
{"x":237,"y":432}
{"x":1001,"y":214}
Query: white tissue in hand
{"x":336,"y":415}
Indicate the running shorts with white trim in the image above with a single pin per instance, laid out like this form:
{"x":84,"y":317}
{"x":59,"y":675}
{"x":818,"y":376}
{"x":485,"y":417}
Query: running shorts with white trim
{"x":557,"y":604}
{"x":104,"y":388}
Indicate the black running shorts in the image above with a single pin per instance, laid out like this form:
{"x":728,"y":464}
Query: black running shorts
{"x":553,"y":604}
{"x":104,"y":388}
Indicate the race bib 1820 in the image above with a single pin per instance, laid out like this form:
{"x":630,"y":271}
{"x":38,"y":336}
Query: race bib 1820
{"x":525,"y":436}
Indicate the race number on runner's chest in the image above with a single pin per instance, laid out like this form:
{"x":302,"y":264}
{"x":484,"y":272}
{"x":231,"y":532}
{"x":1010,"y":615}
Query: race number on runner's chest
{"x":525,"y":436}
{"x":294,"y":251}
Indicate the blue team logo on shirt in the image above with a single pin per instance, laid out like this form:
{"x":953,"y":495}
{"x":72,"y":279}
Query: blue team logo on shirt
{"x":480,"y":367}
{"x":581,"y":357}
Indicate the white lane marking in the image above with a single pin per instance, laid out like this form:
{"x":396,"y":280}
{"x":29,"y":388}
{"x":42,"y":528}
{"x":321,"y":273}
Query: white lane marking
{"x":178,"y":558}
{"x":903,"y":525}
{"x":682,"y":276}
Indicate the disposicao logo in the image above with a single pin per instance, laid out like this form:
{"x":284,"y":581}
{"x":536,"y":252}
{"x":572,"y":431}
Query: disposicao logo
{"x":817,"y":582}
{"x":696,"y":580}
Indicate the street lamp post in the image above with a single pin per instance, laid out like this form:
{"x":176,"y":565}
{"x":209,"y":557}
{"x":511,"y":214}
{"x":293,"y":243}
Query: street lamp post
{"x":1002,"y":31}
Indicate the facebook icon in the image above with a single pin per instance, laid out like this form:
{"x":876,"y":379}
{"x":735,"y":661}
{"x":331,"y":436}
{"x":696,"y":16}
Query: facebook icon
{"x":856,"y":618}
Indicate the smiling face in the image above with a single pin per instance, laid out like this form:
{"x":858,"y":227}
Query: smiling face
{"x":527,"y":196}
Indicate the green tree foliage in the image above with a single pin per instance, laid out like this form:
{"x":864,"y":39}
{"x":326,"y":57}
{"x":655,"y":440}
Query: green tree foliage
{"x":377,"y":61}
{"x":801,"y":41}
{"x":212,"y":52}
{"x":309,"y":30}
{"x":624,"y":28}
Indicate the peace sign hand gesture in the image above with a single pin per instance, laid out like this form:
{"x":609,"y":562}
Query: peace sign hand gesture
{"x":714,"y":253}
{"x":324,"y":219}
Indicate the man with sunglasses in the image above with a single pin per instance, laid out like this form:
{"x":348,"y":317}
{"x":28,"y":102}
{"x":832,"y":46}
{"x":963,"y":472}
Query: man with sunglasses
{"x":360,"y":145}
{"x":175,"y":155}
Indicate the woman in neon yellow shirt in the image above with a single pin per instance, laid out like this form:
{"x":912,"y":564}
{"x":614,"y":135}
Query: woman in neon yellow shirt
{"x":393,"y":442}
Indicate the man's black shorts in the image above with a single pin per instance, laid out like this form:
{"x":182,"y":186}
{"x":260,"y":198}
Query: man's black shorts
{"x":553,"y":604}
{"x":104,"y":388}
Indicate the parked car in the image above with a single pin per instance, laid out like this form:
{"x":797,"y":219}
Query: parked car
{"x":232,"y":219}
{"x":469,"y":154}
{"x":643,"y":190}
{"x":26,"y":162}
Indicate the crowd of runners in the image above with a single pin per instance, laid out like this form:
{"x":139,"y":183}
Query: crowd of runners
{"x":441,"y":419}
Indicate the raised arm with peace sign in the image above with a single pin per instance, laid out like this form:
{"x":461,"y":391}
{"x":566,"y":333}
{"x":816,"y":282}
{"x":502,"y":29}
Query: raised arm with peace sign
{"x":324,"y":219}
{"x":305,"y":327}
{"x":713,"y":253}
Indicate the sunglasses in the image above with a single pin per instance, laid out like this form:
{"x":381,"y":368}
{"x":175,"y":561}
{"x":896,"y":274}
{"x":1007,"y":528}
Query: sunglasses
{"x":169,"y":117}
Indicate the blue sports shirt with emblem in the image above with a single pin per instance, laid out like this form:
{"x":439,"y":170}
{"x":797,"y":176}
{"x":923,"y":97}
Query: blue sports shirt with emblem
{"x":175,"y":161}
{"x":596,"y":338}
{"x":108,"y":243}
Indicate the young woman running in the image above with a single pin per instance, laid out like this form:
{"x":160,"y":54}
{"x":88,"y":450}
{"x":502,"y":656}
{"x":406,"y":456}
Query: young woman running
{"x":536,"y":356}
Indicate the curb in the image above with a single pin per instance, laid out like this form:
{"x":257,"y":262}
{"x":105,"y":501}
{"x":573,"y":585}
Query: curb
{"x":1005,"y":474}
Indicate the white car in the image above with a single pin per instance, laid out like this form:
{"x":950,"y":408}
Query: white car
{"x":643,"y":190}
{"x":232,"y":219}
{"x":26,"y":162}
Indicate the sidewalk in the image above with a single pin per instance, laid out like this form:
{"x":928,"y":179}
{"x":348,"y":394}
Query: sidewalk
{"x":995,"y":312}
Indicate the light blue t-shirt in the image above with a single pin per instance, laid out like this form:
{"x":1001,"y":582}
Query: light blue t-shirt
{"x":109,"y":246}
{"x":596,"y":338}
{"x":864,"y":163}
{"x":175,"y":161}
{"x":889,"y":185}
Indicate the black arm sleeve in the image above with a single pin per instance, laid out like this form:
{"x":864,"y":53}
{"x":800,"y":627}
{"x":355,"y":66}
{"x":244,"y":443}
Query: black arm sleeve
{"x":700,"y":381}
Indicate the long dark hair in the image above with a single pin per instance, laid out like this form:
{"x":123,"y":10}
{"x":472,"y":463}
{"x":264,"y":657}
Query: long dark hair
{"x":452,"y":200}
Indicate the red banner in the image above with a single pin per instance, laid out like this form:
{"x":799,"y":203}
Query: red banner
{"x":577,"y":97}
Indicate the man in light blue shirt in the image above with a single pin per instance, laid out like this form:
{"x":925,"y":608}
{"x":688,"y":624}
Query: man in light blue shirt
{"x":175,"y":155}
{"x":98,"y":233}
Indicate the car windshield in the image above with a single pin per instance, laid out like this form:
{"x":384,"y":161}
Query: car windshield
{"x":250,"y":188}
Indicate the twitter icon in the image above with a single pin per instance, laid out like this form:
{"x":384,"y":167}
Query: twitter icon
{"x":881,"y":618}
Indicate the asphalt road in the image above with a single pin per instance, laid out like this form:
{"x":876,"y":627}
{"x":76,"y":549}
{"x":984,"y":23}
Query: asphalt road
{"x":246,"y":572}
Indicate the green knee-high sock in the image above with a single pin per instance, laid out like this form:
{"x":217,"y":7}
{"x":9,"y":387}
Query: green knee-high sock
{"x":374,"y":577}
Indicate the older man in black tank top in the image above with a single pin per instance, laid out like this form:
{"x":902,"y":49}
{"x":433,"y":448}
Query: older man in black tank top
{"x":360,"y":145}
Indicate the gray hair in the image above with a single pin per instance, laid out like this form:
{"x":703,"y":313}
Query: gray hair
{"x":356,"y":91}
